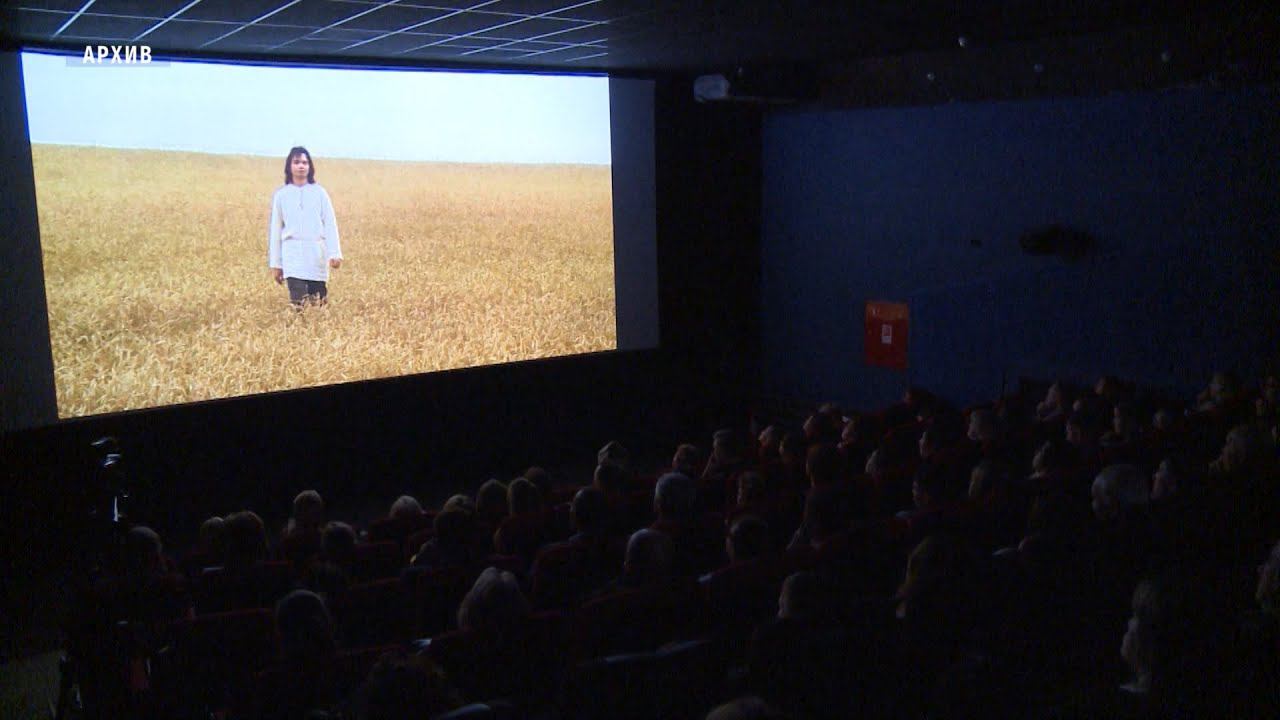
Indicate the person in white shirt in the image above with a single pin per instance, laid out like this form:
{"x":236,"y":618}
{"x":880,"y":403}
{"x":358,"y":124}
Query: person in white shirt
{"x":303,"y":237}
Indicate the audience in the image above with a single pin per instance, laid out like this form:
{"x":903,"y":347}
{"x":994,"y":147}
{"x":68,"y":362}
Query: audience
{"x":962,"y":628}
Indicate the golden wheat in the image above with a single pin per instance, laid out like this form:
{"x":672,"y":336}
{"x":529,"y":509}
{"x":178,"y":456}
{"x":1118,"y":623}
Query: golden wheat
{"x":158,"y":290}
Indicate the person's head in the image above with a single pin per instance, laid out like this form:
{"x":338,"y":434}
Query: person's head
{"x":610,"y":479}
{"x":793,"y":448}
{"x":245,"y":539}
{"x":726,"y":446}
{"x":1056,"y":396}
{"x":674,"y":496}
{"x":1268,"y":590}
{"x":649,"y":556}
{"x":1241,"y":449}
{"x":751,"y":489}
{"x":541,"y":479}
{"x":1124,"y":419}
{"x":455,"y":529}
{"x":860,"y":429}
{"x":613,"y":453}
{"x":982,"y":480}
{"x":298,"y":167}
{"x":589,"y":510}
{"x":935,"y":562}
{"x":305,"y":627}
{"x":982,"y":425}
{"x":770,"y":440}
{"x":403,"y":685}
{"x":827,"y":511}
{"x":308,"y":510}
{"x":929,"y":443}
{"x":495,"y":602}
{"x":748,"y":539}
{"x":1166,"y":480}
{"x":823,"y":465}
{"x":1162,"y":420}
{"x":1166,"y":632}
{"x":1081,"y":429}
{"x":491,"y":500}
{"x":686,"y":460}
{"x":1108,"y":387}
{"x":143,"y":551}
{"x":338,"y":543}
{"x":749,"y":707}
{"x":1223,"y":387}
{"x":210,"y":539}
{"x":1050,"y":456}
{"x":463,"y":502}
{"x":875,"y":464}
{"x":1117,"y":490}
{"x":406,"y":507}
{"x":801,"y":597}
{"x":523,"y":497}
{"x":926,"y":490}
{"x":817,"y":428}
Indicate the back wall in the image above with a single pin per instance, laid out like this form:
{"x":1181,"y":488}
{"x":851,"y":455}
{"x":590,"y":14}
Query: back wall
{"x":1180,"y":189}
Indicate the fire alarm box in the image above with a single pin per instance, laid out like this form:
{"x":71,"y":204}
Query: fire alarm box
{"x":886,"y":334}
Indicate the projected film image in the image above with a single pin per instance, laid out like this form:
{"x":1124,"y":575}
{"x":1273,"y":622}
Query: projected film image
{"x":214,"y":230}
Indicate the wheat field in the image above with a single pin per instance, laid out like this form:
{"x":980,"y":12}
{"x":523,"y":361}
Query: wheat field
{"x":158,"y":291}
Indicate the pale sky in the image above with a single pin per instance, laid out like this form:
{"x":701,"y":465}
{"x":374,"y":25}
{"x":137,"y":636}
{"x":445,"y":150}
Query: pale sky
{"x":262,"y":110}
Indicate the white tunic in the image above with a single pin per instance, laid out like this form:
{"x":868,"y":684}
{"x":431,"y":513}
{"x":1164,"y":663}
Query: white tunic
{"x":303,"y":236}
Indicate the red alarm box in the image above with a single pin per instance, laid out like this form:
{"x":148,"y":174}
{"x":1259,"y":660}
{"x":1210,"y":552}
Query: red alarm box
{"x":886,"y":334}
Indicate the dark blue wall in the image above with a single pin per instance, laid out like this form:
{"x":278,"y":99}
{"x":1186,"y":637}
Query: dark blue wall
{"x":1181,"y":189}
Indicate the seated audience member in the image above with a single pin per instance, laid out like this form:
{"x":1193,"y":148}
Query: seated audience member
{"x":589,"y":512}
{"x":1166,"y":481}
{"x":858,"y":439}
{"x":1222,"y":393}
{"x":463,"y":502}
{"x":826,"y":514}
{"x":745,"y":708}
{"x":454,"y":544}
{"x":492,"y":506}
{"x":649,"y":563}
{"x":1082,"y":436}
{"x":792,"y":451}
{"x":305,"y":629}
{"x":1168,"y":647}
{"x":403,"y":685}
{"x":1243,"y":454}
{"x":207,"y":552}
{"x":687,"y":460}
{"x":494,"y":603}
{"x":616,"y":454}
{"x":696,"y":539}
{"x":541,"y":479}
{"x":147,"y":588}
{"x":934,"y":606}
{"x":406,"y":507}
{"x":1268,"y":589}
{"x":748,"y":539}
{"x":1055,"y":406}
{"x":819,"y":429}
{"x":1117,"y":491}
{"x":301,"y":537}
{"x":338,"y":545}
{"x":720,"y":476}
{"x":308,"y":514}
{"x":770,"y":445}
{"x":1110,"y":390}
{"x":753,"y":496}
{"x":245,"y":540}
{"x":301,"y":684}
{"x":1126,"y":431}
{"x":527,"y":527}
{"x":805,"y":661}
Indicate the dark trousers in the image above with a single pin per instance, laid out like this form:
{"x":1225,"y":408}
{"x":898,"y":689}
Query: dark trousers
{"x":302,"y":292}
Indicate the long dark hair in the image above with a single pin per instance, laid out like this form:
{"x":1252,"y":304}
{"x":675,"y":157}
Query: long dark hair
{"x":294,"y":152}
